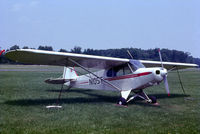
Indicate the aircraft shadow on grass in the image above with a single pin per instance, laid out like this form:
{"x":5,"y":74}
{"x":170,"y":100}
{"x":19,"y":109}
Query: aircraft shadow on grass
{"x":93,"y":98}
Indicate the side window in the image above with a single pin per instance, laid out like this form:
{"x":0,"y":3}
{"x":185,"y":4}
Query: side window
{"x":127,"y":70}
{"x":119,"y":71}
{"x":124,"y":70}
{"x":112,"y":72}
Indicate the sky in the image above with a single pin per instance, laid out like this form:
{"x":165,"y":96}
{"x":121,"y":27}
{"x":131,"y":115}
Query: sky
{"x":101,"y":24}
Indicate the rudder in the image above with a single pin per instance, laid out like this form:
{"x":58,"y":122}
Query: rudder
{"x":69,"y":73}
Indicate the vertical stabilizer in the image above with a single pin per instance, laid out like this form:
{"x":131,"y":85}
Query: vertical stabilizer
{"x":69,"y":73}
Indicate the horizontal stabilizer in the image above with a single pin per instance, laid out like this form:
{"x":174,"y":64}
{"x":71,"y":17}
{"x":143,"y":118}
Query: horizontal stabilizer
{"x":56,"y":81}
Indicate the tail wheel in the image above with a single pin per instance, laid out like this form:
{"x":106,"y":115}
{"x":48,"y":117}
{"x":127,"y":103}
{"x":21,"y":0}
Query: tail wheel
{"x":122,"y":101}
{"x":153,"y":99}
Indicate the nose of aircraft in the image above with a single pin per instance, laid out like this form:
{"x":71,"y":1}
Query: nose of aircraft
{"x":163,"y":72}
{"x":160,"y":74}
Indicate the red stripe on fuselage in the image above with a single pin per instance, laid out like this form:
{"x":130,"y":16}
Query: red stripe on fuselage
{"x":128,"y":76}
{"x":123,"y":77}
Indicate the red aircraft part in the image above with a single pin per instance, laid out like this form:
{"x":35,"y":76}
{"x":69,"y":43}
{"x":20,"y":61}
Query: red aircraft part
{"x":2,"y":52}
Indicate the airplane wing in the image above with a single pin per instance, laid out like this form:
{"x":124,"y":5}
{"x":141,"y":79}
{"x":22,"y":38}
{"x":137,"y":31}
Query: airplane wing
{"x":167,"y":65}
{"x":40,"y":57}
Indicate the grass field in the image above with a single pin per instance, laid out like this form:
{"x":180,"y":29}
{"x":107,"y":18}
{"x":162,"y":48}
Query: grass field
{"x":24,"y":95}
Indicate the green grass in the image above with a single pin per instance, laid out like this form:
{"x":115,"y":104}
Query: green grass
{"x":24,"y":95}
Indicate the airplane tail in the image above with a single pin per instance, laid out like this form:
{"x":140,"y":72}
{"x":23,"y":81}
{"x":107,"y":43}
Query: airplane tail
{"x":69,"y":73}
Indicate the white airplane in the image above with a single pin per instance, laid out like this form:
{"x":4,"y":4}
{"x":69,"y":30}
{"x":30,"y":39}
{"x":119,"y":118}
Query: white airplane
{"x":117,"y":74}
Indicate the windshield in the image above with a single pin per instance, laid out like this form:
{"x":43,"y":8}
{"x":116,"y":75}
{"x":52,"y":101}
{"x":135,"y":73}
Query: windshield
{"x":136,"y":64}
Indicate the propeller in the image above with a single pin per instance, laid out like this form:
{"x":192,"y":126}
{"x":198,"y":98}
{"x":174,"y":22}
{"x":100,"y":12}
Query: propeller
{"x":166,"y":85}
{"x":164,"y":75}
{"x":160,"y":58}
{"x":130,"y":54}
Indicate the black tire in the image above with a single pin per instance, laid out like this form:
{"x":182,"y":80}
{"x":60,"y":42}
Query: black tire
{"x":122,"y":101}
{"x":153,"y":99}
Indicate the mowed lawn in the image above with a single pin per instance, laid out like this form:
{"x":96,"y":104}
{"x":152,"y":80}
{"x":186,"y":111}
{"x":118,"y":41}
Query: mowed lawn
{"x":24,"y":95}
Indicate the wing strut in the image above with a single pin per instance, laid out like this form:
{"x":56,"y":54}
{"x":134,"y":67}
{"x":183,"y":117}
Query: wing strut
{"x":130,"y":68}
{"x":76,"y":63}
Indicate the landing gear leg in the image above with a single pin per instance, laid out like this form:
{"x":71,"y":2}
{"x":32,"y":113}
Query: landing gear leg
{"x":143,"y":95}
{"x":124,"y":95}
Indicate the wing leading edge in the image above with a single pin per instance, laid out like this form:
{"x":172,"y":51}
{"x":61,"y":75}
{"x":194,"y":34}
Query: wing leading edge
{"x":167,"y":65}
{"x":40,"y":57}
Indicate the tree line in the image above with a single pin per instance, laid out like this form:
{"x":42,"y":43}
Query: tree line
{"x":138,"y":53}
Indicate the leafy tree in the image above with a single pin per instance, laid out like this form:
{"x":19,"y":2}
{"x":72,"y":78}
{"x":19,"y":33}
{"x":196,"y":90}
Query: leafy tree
{"x":25,"y":47}
{"x":197,"y":61}
{"x":14,"y":47}
{"x":62,"y":50}
{"x":48,"y":48}
{"x":76,"y":49}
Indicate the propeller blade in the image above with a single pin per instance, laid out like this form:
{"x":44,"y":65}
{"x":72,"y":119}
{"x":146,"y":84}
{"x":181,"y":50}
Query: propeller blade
{"x":165,"y":75}
{"x":166,"y":85}
{"x":130,"y":54}
{"x":160,"y":57}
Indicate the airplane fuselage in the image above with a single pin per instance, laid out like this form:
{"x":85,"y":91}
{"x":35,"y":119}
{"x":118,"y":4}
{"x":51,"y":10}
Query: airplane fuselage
{"x":139,"y":79}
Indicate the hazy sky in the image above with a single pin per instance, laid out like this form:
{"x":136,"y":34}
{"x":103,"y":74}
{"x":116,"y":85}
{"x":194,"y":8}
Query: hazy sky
{"x":101,"y":24}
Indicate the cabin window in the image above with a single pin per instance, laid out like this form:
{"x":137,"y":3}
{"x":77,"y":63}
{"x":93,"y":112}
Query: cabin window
{"x":119,"y":71}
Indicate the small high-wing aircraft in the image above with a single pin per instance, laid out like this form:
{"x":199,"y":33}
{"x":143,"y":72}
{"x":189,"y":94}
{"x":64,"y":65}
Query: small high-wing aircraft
{"x":118,"y":74}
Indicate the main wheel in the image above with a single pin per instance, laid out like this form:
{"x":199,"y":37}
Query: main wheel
{"x":153,"y":99}
{"x":122,"y":101}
